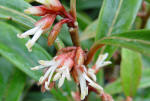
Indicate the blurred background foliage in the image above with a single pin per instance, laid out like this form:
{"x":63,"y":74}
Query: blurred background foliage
{"x":128,"y":75}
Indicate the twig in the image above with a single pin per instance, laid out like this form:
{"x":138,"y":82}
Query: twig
{"x":74,"y":29}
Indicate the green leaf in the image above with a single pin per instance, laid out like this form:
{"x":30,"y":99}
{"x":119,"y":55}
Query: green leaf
{"x":13,"y":82}
{"x":5,"y":73}
{"x":15,"y":51}
{"x":138,"y":40}
{"x":115,"y":17}
{"x":13,"y":10}
{"x":15,"y":86}
{"x":115,"y":87}
{"x":89,"y":32}
{"x":131,"y":67}
{"x":88,"y":4}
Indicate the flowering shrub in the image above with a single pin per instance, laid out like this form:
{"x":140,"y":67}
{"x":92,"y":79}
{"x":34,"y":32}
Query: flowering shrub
{"x":62,"y":50}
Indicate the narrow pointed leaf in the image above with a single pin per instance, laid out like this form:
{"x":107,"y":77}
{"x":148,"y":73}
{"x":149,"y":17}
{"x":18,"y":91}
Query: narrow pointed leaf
{"x":13,"y":49}
{"x":116,"y":16}
{"x":138,"y":40}
{"x":131,"y":69}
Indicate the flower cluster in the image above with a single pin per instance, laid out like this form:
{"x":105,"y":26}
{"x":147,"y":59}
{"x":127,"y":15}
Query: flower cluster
{"x":70,"y":61}
{"x":49,"y":10}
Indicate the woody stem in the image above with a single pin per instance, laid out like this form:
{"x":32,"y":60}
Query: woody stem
{"x":73,"y":9}
{"x":74,"y":30}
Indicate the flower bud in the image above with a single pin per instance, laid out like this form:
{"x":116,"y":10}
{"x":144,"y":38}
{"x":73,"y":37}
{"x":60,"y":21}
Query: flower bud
{"x":55,"y":31}
{"x":54,"y":5}
{"x":35,"y":10}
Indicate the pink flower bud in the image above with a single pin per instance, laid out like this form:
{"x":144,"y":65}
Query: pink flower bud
{"x":46,"y":22}
{"x":55,"y":31}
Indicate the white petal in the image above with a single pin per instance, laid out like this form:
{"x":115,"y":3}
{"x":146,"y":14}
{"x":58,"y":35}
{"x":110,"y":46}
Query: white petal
{"x":45,"y":2}
{"x":96,"y":86}
{"x":46,"y":63}
{"x":92,"y":83}
{"x":104,"y":64}
{"x":41,"y":80}
{"x":46,"y":86}
{"x":101,"y":58}
{"x":91,"y":74}
{"x":31,"y":42}
{"x":51,"y":74}
{"x":27,"y":33}
{"x":83,"y":87}
{"x":32,"y":10}
{"x":35,"y":68}
{"x":61,"y":81}
{"x":38,"y":67}
{"x":45,"y":76}
{"x":53,"y":2}
{"x":68,"y":74}
{"x":57,"y":76}
{"x":61,"y":69}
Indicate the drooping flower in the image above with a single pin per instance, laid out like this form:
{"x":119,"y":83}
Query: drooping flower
{"x":85,"y":81}
{"x":70,"y":62}
{"x":80,"y":75}
{"x":40,"y":27}
{"x":49,"y":10}
{"x":57,"y":69}
{"x":99,"y":64}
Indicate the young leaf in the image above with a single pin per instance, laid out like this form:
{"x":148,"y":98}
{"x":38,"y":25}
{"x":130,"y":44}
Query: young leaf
{"x":15,"y":51}
{"x":131,"y":67}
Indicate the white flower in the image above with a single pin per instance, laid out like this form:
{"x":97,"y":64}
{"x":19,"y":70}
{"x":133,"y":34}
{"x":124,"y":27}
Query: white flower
{"x":99,"y":64}
{"x":58,"y":68}
{"x":83,"y":79}
{"x":41,"y":26}
{"x":101,"y":61}
{"x":64,"y":72}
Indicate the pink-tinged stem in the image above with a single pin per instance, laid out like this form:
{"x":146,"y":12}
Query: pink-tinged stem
{"x":75,"y":36}
{"x":55,"y":31}
{"x":92,"y":51}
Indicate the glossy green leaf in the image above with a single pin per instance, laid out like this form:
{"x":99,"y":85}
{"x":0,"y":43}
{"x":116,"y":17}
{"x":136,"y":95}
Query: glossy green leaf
{"x":15,"y":86}
{"x":90,"y":31}
{"x":87,"y":4}
{"x":6,"y":70}
{"x":131,"y":67}
{"x":136,"y":40}
{"x":15,"y":51}
{"x":13,"y":10}
{"x":116,"y":16}
{"x":115,"y":87}
{"x":13,"y":82}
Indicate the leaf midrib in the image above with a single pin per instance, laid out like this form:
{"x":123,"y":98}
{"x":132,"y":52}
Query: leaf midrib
{"x":17,"y":12}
